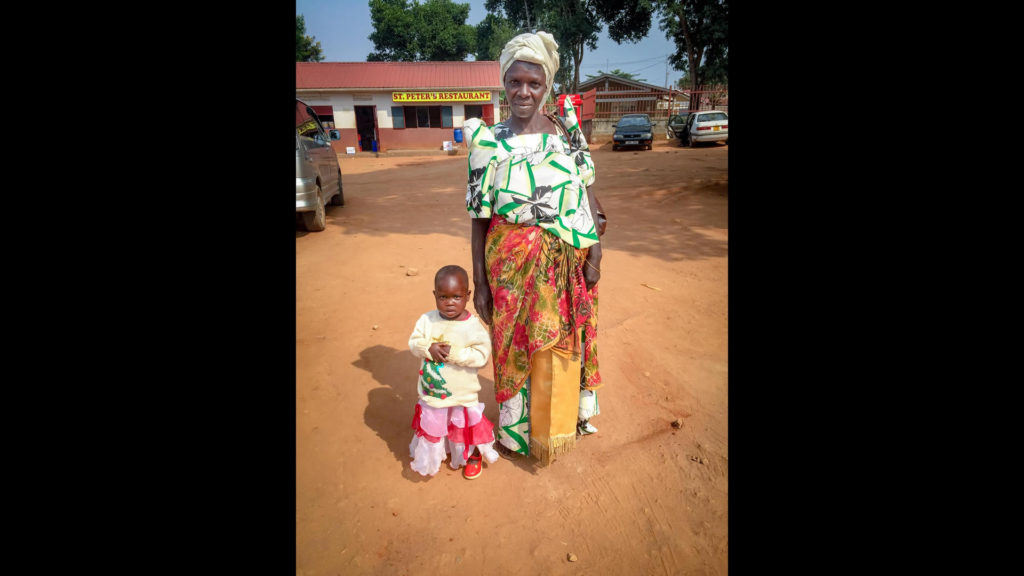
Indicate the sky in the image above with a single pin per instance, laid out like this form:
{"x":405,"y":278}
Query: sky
{"x":343,"y":26}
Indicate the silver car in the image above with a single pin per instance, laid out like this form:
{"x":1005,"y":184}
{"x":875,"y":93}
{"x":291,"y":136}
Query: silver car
{"x":317,"y":172}
{"x":705,"y":126}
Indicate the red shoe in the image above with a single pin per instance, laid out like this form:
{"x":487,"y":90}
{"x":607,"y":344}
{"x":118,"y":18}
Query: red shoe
{"x":474,"y":467}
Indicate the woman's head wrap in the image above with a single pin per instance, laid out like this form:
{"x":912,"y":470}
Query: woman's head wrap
{"x":539,"y":48}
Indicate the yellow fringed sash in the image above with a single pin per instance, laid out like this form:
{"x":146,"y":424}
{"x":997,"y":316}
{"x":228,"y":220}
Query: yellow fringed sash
{"x":554,"y":401}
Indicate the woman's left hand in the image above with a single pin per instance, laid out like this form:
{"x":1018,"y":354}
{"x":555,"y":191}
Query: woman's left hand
{"x":591,"y":273}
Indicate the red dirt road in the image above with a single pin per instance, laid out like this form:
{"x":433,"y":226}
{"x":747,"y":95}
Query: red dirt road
{"x":638,"y":497}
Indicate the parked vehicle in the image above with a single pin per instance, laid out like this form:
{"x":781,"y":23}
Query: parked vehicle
{"x":317,"y":172}
{"x":705,"y":126}
{"x":677,"y":124}
{"x":633,"y":130}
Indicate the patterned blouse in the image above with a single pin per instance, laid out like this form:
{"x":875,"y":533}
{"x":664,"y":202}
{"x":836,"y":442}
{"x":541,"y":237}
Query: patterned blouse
{"x":532,"y":179}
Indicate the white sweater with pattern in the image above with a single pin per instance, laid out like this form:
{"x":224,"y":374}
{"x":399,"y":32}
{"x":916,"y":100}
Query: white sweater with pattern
{"x":453,"y":382}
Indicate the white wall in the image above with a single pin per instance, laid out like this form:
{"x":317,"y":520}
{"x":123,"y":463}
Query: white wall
{"x":383,"y":103}
{"x":344,"y":114}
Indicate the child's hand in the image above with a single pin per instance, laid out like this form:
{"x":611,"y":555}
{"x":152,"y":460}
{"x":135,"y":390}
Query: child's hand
{"x":439,"y":352}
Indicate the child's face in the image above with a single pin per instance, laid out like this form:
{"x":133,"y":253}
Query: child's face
{"x":451,"y":295}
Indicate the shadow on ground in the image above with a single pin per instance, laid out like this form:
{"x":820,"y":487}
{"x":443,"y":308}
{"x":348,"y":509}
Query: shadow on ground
{"x":389,"y":408}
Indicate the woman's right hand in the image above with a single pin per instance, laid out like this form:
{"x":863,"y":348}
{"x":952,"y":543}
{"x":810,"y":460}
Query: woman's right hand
{"x":483,"y":302}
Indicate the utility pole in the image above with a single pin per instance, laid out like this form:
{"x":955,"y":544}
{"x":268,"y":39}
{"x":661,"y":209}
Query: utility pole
{"x":671,"y":100}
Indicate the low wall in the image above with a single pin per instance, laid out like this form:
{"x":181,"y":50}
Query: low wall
{"x":418,"y":138}
{"x":392,"y":139}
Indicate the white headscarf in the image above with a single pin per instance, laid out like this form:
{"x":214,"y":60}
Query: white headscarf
{"x":539,"y":48}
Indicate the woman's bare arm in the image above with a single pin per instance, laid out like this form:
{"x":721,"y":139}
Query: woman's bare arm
{"x":482,"y":299}
{"x":592,"y":267}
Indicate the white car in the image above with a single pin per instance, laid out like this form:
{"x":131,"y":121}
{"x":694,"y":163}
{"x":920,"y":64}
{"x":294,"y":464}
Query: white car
{"x":705,"y":126}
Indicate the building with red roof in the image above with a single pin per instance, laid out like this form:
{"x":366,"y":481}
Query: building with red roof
{"x":399,"y":105}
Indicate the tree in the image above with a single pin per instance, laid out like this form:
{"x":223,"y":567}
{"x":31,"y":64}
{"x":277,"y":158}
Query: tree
{"x":700,"y":29}
{"x":493,"y":32}
{"x":435,"y":30}
{"x":619,"y":73}
{"x":575,"y":24}
{"x":306,"y":48}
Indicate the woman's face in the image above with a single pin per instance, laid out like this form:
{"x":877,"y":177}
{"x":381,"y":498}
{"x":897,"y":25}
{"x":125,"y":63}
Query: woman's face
{"x":524,"y":88}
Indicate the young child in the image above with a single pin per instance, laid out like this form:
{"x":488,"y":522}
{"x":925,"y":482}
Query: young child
{"x":448,"y":416}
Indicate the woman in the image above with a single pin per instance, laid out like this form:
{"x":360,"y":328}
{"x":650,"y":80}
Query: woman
{"x":536,"y":258}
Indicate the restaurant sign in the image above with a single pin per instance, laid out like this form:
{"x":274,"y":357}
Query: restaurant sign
{"x":452,"y":96}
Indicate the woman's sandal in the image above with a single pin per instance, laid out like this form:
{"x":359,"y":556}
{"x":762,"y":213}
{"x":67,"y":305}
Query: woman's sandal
{"x":505,"y":452}
{"x":474,"y":467}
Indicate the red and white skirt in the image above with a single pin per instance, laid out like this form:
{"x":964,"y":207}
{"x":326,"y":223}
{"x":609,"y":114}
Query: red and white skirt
{"x":455,"y":430}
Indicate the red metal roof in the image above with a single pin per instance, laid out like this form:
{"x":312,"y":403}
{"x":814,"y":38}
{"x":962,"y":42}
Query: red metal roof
{"x":401,"y":75}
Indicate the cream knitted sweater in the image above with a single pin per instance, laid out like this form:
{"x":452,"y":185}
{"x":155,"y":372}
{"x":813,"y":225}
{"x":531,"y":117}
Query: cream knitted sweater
{"x":453,"y":382}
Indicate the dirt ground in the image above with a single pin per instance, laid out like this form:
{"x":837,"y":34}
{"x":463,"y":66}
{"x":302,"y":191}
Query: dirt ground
{"x":638,"y":497}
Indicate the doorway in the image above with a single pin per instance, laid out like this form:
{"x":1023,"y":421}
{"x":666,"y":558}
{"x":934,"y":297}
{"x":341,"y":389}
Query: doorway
{"x":366,"y":126}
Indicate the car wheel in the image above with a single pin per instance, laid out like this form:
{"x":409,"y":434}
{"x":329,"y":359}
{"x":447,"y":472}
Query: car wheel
{"x":615,"y":147}
{"x":339,"y":200}
{"x":649,"y":146}
{"x":693,"y":143}
{"x":316,"y":220}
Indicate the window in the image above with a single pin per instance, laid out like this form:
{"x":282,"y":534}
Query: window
{"x":410,"y":116}
{"x":326,"y":116}
{"x":305,"y":123}
{"x":474,"y":111}
{"x":421,"y":116}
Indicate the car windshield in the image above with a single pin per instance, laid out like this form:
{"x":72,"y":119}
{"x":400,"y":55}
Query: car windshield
{"x":714,"y":117}
{"x":633,"y":121}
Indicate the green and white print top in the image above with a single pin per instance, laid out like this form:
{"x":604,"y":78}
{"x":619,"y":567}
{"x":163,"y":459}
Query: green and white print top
{"x":532,"y":178}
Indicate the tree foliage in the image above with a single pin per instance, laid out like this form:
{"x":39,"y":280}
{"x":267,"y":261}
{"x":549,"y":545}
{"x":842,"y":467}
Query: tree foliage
{"x":434,"y":30}
{"x":493,"y":32}
{"x":575,"y":24}
{"x":307,"y":49}
{"x":700,"y":29}
{"x":619,"y":73}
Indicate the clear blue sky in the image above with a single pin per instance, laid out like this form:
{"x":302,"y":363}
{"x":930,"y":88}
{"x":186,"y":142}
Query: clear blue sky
{"x":343,"y":26}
